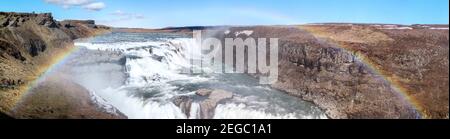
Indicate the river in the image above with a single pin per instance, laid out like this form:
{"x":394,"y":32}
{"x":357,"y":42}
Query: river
{"x":140,"y":74}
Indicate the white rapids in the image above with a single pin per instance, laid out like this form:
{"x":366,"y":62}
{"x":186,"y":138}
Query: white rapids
{"x":152,"y":77}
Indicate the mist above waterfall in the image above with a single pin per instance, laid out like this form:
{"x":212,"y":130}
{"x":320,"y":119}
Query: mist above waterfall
{"x":142,"y":73}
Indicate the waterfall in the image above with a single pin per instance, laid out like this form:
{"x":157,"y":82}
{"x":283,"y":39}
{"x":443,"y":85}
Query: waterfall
{"x":154,"y":65}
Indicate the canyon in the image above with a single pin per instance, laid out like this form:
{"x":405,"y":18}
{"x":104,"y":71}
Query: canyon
{"x":30,"y":43}
{"x":354,"y":71}
{"x":363,"y":70}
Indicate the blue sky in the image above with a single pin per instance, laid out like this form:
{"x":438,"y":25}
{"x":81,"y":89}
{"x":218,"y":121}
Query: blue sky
{"x":165,"y":13}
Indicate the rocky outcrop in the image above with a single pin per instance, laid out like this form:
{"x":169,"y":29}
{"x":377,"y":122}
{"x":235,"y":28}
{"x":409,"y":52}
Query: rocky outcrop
{"x":184,"y":103}
{"x":29,"y":43}
{"x":77,"y":28}
{"x":362,"y":71}
{"x":18,"y":19}
{"x":8,"y":49}
{"x":207,"y":106}
{"x":35,"y":46}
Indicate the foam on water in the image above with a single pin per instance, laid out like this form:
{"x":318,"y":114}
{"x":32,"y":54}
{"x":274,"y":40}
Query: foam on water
{"x":153,"y":67}
{"x":195,"y":111}
{"x":240,"y":111}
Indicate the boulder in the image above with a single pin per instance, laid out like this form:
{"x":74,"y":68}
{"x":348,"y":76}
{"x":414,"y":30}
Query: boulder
{"x":184,"y":103}
{"x":207,"y":106}
{"x":203,"y":92}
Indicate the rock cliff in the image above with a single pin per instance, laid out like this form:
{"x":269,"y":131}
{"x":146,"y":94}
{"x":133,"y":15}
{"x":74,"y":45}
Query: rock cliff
{"x":363,"y":71}
{"x":29,"y":44}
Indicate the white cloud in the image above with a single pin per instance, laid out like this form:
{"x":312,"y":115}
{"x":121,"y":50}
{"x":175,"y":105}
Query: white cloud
{"x":270,"y":17}
{"x":96,"y":6}
{"x":86,"y":4}
{"x":139,"y":16}
{"x":68,"y":3}
{"x":119,"y":13}
{"x":124,"y":15}
{"x":122,"y":18}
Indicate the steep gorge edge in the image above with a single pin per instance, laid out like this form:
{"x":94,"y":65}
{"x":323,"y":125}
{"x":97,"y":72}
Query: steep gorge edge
{"x":317,"y":64}
{"x":362,"y":71}
{"x":30,"y":43}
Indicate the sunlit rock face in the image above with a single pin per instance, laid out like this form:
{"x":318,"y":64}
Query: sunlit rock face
{"x":363,"y":70}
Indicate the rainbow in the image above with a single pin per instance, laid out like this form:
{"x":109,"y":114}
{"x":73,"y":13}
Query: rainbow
{"x":392,"y":81}
{"x":59,"y":58}
{"x":395,"y":84}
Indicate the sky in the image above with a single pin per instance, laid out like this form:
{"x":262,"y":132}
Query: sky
{"x":175,"y":13}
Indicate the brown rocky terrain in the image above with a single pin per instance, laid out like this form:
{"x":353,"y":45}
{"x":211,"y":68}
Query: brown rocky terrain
{"x":348,"y":70}
{"x":82,"y":28}
{"x":363,"y":70}
{"x":59,"y":98}
{"x":29,"y":44}
{"x":182,"y":30}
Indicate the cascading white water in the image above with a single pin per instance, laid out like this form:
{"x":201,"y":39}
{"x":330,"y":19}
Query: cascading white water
{"x":153,"y":78}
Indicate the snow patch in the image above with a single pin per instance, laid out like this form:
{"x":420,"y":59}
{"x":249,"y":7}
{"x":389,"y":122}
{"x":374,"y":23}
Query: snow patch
{"x":246,"y":32}
{"x":439,"y":28}
{"x":227,"y":32}
{"x":391,"y":27}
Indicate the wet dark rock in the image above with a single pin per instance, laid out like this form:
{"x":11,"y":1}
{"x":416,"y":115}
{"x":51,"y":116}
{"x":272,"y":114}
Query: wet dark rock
{"x":184,"y":103}
{"x":158,"y":58}
{"x":35,"y":46}
{"x":207,"y":106}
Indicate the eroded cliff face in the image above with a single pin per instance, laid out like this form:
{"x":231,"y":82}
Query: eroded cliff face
{"x":413,"y":60}
{"x":363,"y":71}
{"x":29,"y":44}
